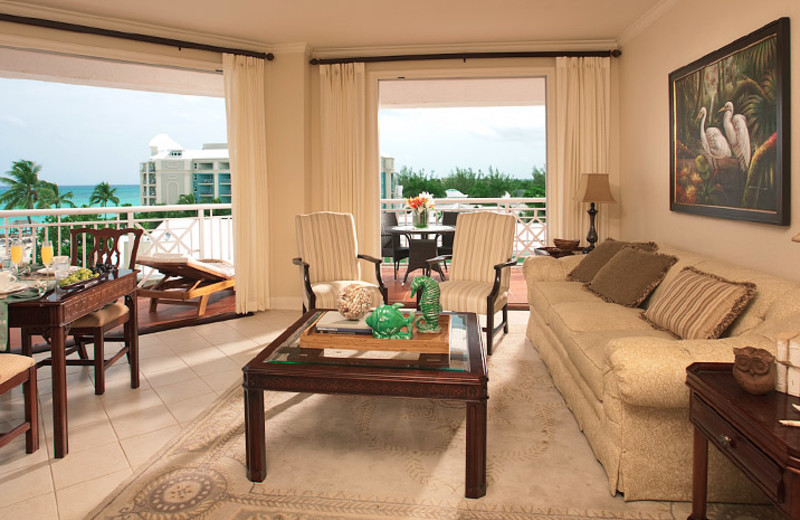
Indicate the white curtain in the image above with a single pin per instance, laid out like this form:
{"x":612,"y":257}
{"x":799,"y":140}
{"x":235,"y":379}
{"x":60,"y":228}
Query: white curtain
{"x":348,"y":184}
{"x":582,"y":111}
{"x":245,"y":106}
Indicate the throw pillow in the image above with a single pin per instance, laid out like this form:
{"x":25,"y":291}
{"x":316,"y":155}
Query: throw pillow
{"x":630,"y":276}
{"x":600,"y":255}
{"x":698,"y":305}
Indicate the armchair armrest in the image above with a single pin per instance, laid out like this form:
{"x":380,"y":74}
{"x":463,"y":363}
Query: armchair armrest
{"x":312,"y":299}
{"x":381,"y":287}
{"x":498,"y":272}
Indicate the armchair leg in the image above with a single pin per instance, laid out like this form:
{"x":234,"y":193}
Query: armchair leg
{"x":489,"y":330}
{"x":505,"y":318}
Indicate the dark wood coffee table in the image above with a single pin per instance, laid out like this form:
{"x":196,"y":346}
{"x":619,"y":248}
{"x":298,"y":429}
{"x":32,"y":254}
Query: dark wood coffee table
{"x":459,"y":375}
{"x":745,"y":428}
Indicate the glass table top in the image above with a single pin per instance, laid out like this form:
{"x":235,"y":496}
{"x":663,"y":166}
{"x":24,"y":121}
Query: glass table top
{"x":290,"y":352}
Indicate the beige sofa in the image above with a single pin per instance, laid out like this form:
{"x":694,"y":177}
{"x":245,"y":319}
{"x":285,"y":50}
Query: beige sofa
{"x":625,"y":381}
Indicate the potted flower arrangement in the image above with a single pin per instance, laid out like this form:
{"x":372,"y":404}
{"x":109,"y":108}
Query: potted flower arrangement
{"x":420,"y":206}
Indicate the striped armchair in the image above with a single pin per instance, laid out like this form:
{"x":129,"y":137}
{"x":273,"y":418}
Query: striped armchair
{"x":479,"y":278}
{"x":326,"y":243}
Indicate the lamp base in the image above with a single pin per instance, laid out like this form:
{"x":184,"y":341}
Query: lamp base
{"x":591,"y":237}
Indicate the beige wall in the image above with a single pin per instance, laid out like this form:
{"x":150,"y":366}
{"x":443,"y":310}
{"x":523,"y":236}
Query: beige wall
{"x":289,"y":166}
{"x":690,"y":30}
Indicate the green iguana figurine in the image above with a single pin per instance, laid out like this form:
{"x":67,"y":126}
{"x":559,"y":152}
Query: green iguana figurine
{"x":386,"y":322}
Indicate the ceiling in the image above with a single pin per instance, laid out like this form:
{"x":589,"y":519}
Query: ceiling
{"x":360,"y":23}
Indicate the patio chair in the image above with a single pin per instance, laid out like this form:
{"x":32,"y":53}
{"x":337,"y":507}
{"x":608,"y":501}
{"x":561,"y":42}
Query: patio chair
{"x":479,"y":274}
{"x":107,"y":247}
{"x":449,"y":218}
{"x":390,"y":242}
{"x":326,"y":243}
{"x":18,"y":370}
{"x":186,"y":281}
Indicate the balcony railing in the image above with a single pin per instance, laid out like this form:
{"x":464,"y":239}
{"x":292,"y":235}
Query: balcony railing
{"x":530,"y":213}
{"x":200,"y":231}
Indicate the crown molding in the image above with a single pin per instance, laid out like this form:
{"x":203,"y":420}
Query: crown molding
{"x":646,"y":20}
{"x":118,"y":24}
{"x":394,"y":50}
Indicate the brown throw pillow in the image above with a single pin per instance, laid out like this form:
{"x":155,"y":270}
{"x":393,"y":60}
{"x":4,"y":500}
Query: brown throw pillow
{"x":630,"y":276}
{"x":698,"y":305}
{"x":594,"y":261}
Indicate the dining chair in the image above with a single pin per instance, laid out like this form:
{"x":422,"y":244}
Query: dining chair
{"x":479,"y":270}
{"x":391,"y":245}
{"x":113,"y":249}
{"x":327,"y":248}
{"x":449,"y":218}
{"x":18,"y":370}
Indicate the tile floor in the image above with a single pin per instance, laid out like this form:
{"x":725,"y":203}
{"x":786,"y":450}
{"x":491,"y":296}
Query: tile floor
{"x":182,"y":373}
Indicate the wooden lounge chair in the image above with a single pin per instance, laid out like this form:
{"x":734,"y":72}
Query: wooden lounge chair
{"x":186,"y":281}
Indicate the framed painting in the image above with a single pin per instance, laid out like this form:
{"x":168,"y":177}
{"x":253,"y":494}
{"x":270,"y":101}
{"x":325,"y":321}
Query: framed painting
{"x":729,"y":130}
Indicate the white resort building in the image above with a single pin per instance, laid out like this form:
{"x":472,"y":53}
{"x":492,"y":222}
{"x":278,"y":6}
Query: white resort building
{"x":173,"y":171}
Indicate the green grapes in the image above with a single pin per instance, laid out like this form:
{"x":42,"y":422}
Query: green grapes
{"x":78,"y":276}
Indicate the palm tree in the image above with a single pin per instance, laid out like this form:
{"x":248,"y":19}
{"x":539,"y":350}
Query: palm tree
{"x":103,"y":194}
{"x":187,"y":198}
{"x":24,"y":186}
{"x":53,"y":198}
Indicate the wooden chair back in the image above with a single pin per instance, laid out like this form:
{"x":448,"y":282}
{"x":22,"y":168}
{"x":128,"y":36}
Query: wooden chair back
{"x":104,"y":246}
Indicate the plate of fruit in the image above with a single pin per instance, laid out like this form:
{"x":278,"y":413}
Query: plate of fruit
{"x":79,"y":278}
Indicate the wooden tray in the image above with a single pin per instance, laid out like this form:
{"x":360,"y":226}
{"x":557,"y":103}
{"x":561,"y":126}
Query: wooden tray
{"x":438,"y":343}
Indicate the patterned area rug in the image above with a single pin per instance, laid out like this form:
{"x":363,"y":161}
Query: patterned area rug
{"x":352,"y":458}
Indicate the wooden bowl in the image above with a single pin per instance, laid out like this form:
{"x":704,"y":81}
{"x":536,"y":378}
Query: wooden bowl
{"x":566,"y":245}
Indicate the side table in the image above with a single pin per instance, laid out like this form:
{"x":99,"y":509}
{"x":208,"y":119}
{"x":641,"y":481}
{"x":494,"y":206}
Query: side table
{"x":556,"y":252}
{"x":745,"y":428}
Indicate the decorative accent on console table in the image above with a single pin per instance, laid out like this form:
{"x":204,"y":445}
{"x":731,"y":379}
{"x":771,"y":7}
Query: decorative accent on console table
{"x":754,"y":370}
{"x":387,"y":322}
{"x":788,"y":365}
{"x":354,"y":301}
{"x":429,"y":303}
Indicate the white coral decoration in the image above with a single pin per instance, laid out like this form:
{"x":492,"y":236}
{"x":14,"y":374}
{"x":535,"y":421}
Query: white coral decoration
{"x":354,"y":301}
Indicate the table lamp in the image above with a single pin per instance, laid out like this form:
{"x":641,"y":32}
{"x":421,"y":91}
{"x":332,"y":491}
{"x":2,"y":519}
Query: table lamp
{"x":594,"y":189}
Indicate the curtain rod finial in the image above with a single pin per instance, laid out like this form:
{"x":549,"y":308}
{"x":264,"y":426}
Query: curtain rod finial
{"x":616,"y":53}
{"x":270,"y":56}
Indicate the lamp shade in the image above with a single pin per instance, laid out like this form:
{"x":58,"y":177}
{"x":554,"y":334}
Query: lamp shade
{"x":796,"y":238}
{"x":594,"y":188}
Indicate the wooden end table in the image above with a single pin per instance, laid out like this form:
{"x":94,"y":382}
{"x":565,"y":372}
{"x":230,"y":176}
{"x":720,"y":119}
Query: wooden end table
{"x":745,"y":428}
{"x":459,"y":375}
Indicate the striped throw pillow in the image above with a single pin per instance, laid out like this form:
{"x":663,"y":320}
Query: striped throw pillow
{"x":698,"y":305}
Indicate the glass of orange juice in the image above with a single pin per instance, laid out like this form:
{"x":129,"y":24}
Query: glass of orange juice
{"x":16,"y":254}
{"x":47,"y":253}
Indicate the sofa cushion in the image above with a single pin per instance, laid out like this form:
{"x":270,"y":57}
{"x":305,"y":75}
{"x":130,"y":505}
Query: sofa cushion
{"x":630,"y":276}
{"x":699,"y":305}
{"x":594,"y":261}
{"x":543,"y":295}
{"x":595,"y":316}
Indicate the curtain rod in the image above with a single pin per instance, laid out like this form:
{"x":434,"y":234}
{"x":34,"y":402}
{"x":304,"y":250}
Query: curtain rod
{"x":85,"y":29}
{"x":614,"y":53}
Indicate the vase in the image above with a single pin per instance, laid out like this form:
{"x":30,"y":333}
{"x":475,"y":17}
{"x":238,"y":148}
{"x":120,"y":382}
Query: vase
{"x":420,"y":218}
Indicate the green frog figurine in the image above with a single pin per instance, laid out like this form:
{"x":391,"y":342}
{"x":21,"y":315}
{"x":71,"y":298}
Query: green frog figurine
{"x":387,"y":321}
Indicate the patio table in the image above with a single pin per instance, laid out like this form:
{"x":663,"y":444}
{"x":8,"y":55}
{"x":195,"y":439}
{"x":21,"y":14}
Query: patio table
{"x":423,"y":247}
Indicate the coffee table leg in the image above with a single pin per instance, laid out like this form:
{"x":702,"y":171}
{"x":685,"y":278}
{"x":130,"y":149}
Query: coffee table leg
{"x":476,"y":449}
{"x":254,"y":435}
{"x":699,"y":476}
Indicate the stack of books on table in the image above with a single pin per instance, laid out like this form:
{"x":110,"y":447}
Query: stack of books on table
{"x":334,"y":323}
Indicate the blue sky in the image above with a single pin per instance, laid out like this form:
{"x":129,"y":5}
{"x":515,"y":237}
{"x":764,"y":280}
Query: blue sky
{"x":86,"y":135}
{"x":509,"y":138}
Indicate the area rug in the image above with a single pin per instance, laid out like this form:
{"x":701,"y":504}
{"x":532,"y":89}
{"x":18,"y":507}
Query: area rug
{"x":353,"y":458}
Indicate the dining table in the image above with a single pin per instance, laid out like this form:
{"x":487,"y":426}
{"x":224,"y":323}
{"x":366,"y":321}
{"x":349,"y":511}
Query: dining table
{"x":422,"y":246}
{"x":51,"y":316}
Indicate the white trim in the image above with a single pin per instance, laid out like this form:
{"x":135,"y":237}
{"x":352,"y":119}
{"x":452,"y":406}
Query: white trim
{"x":291,"y":48}
{"x":645,"y":21}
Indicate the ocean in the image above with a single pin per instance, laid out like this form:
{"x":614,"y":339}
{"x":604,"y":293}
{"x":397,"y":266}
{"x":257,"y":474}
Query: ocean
{"x":127,"y":193}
